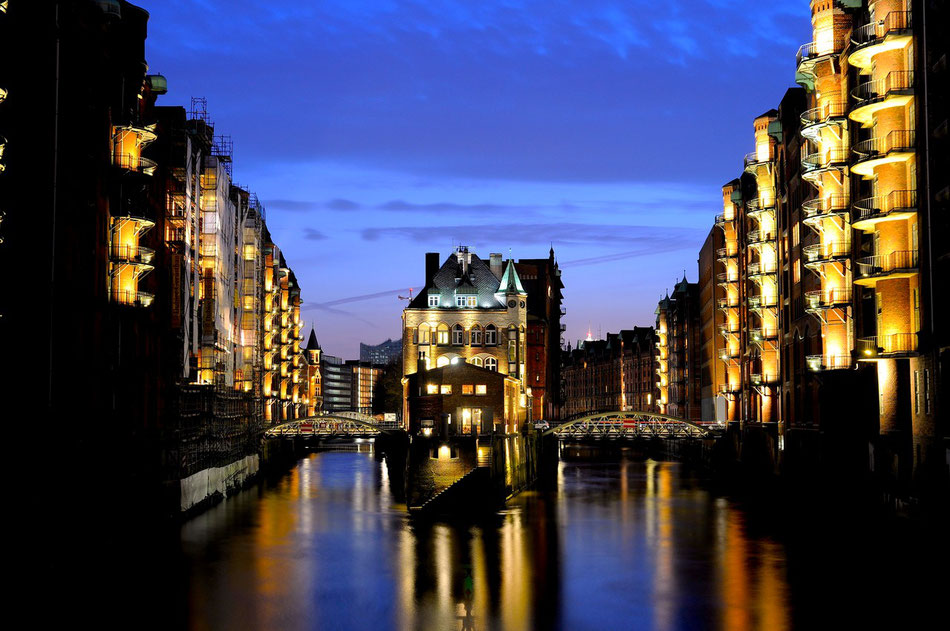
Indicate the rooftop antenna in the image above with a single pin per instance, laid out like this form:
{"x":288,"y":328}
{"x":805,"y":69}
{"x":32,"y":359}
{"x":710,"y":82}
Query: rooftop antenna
{"x":409,"y":297}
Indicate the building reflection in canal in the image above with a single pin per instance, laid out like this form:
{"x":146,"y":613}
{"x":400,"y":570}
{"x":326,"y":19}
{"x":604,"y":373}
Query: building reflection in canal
{"x":623,"y":544}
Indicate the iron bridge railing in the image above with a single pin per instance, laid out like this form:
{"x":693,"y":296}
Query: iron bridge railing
{"x":631,"y":425}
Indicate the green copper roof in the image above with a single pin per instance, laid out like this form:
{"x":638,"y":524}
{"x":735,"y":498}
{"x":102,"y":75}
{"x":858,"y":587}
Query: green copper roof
{"x":510,"y":281}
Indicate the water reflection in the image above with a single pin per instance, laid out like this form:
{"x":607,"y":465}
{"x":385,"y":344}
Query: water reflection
{"x":626,"y":544}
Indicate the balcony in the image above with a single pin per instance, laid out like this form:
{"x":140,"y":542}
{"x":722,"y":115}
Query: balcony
{"x":133,"y":298}
{"x":134,"y":163}
{"x":810,"y":55}
{"x":728,"y":330}
{"x":729,"y":354}
{"x":726,"y":278}
{"x":891,"y":33}
{"x":132,"y":254}
{"x":722,"y":220}
{"x":758,"y":206}
{"x":729,"y":389}
{"x":728,"y":303}
{"x":897,"y":264}
{"x":895,"y":89}
{"x":897,"y":146}
{"x":817,"y":118}
{"x":818,"y":162}
{"x":758,"y":237}
{"x":823,"y":299}
{"x":757,"y":303}
{"x":886,"y":345}
{"x":763,"y":379}
{"x":814,"y":211}
{"x":822,"y":363}
{"x":873,"y":210}
{"x":763,"y":334}
{"x":758,"y":272}
{"x":752,"y":161}
{"x":829,"y":252}
{"x":728,"y":252}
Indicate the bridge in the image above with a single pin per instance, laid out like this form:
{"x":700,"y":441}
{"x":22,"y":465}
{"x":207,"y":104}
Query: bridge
{"x":333,"y":425}
{"x":630,"y":425}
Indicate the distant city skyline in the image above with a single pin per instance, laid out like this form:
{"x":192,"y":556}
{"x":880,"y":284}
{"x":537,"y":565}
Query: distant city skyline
{"x":374,"y":132}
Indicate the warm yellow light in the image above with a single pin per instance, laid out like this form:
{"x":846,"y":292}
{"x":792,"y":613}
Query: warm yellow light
{"x":444,"y":452}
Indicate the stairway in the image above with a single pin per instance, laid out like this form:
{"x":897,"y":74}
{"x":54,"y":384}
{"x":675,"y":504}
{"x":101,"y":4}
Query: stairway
{"x":471,"y":490}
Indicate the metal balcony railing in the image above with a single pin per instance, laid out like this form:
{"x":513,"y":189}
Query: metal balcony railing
{"x":728,"y":277}
{"x":755,"y":237}
{"x":133,"y":298}
{"x":752,"y":159}
{"x":728,"y":303}
{"x":826,"y":252}
{"x":757,"y":269}
{"x":729,"y":388}
{"x":763,"y":379}
{"x":893,"y":23}
{"x":884,"y":264}
{"x":825,"y":206}
{"x":128,"y":253}
{"x":895,"y":201}
{"x":901,"y":140}
{"x":762,"y":302}
{"x":135,"y":163}
{"x":722,"y":220}
{"x":731,"y":250}
{"x":818,"y":363}
{"x":827,"y":298}
{"x":824,"y":158}
{"x":886,"y":344}
{"x":762,"y":334}
{"x":824,"y":113}
{"x":729,"y":329}
{"x":813,"y":51}
{"x":728,"y":354}
{"x":893,"y":82}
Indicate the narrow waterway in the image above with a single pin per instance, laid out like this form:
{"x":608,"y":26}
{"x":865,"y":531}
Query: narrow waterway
{"x":625,"y":543}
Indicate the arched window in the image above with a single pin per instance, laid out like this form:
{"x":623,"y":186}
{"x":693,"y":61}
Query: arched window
{"x":443,"y":331}
{"x":412,"y":334}
{"x":491,"y":335}
{"x":423,"y":333}
{"x":458,"y":335}
{"x":476,"y":361}
{"x":442,"y":361}
{"x":491,"y":364}
{"x":476,"y":335}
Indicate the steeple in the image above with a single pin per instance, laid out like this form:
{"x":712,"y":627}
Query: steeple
{"x":510,"y":281}
{"x":312,"y":343}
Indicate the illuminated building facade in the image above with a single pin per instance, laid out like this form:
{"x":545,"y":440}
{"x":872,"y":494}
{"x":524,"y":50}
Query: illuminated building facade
{"x":314,"y":375}
{"x":678,"y":353}
{"x":364,"y":377}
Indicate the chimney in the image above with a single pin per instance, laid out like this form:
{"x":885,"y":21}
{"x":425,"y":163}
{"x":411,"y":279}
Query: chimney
{"x":432,"y":266}
{"x":496,"y":265}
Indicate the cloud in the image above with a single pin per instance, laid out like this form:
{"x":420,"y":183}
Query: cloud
{"x":313,"y":234}
{"x":557,"y":233}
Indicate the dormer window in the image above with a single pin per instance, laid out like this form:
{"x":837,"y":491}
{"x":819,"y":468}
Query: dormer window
{"x":466,"y":301}
{"x":433,"y":300}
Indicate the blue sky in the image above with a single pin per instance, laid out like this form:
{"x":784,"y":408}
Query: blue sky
{"x":375,"y":131}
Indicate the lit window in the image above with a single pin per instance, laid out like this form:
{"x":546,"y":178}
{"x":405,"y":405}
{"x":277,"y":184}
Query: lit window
{"x":423,"y":333}
{"x":432,"y":389}
{"x":481,"y":389}
{"x":458,"y":334}
{"x":491,"y":364}
{"x":443,"y":334}
{"x":446,"y":389}
{"x":491,"y":335}
{"x":466,"y":301}
{"x":468,"y":388}
{"x":433,"y":300}
{"x":476,"y":361}
{"x":476,"y":335}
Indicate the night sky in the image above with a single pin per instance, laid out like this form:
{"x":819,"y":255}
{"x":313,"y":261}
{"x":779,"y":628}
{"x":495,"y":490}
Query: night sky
{"x":375,"y":131}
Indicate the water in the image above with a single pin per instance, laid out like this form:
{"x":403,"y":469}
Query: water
{"x":627,"y":544}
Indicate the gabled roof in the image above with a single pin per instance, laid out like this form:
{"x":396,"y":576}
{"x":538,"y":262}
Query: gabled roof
{"x":477,"y":279}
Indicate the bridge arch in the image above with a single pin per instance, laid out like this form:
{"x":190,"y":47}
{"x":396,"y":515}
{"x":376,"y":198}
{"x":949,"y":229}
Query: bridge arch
{"x":628,"y":424}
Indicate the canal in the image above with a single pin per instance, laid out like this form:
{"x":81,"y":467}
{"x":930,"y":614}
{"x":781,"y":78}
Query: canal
{"x":623,"y":543}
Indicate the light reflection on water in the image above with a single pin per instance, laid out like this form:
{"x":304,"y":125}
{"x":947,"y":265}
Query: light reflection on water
{"x":628,"y":544}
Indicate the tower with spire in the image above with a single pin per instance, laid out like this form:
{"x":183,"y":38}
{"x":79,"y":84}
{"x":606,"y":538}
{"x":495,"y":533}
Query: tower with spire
{"x":314,"y":376}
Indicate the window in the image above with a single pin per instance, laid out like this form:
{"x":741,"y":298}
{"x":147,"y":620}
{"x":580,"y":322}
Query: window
{"x":491,"y":335}
{"x":458,"y":334}
{"x":476,"y":335}
{"x":423,"y":333}
{"x":481,"y":389}
{"x":512,"y":350}
{"x":432,"y":389}
{"x":443,"y":333}
{"x":468,"y":388}
{"x":446,"y":388}
{"x":491,"y":364}
{"x":466,"y":301}
{"x":412,"y":334}
{"x":476,"y":361}
{"x":433,"y":300}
